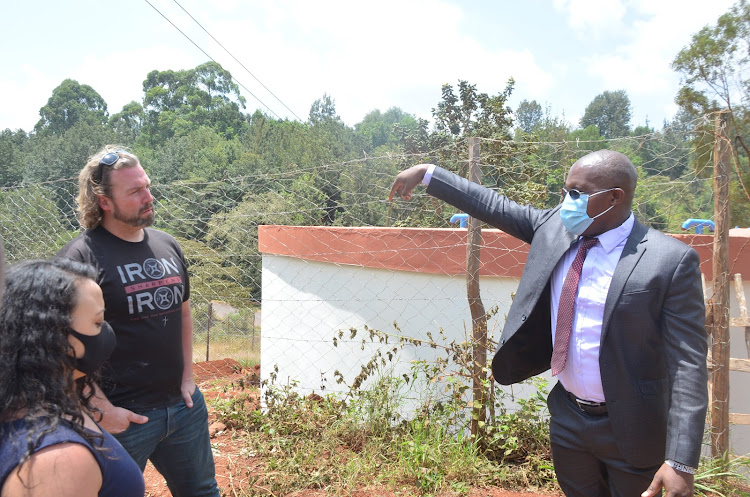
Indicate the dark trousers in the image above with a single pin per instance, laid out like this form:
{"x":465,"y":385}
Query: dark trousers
{"x":587,"y":461}
{"x":176,"y":441}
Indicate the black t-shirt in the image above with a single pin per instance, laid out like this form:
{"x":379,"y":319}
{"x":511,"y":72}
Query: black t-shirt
{"x":144,"y":285}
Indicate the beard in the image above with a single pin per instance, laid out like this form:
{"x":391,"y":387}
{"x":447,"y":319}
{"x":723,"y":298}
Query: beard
{"x":137,"y":221}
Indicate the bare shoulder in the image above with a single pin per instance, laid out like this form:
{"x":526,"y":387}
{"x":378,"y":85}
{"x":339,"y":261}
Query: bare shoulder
{"x":62,"y":470}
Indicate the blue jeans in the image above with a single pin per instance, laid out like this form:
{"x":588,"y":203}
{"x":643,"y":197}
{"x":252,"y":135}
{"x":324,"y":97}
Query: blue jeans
{"x":176,"y":441}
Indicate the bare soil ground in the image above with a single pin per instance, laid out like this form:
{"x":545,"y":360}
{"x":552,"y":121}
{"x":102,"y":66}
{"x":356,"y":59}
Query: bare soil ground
{"x":234,"y":462}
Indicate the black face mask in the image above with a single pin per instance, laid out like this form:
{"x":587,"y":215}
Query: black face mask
{"x":98,"y":348}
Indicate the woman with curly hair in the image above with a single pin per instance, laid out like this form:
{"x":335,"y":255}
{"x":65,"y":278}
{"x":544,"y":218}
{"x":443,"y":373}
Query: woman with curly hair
{"x":53,"y":337}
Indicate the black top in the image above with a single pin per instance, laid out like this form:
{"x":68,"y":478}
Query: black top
{"x":144,"y":285}
{"x":121,"y":476}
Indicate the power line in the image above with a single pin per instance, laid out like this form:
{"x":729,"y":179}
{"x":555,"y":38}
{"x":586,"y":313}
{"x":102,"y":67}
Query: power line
{"x":212,"y":59}
{"x":236,"y":60}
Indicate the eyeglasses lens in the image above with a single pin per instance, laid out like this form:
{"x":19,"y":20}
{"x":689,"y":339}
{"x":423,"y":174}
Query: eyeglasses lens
{"x":574,"y":194}
{"x":109,"y":159}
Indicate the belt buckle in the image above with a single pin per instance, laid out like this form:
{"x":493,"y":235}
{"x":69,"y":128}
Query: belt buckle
{"x":588,"y":407}
{"x":583,"y":404}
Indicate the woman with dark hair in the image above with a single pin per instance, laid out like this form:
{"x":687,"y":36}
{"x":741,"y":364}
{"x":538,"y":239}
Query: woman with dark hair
{"x":53,"y":337}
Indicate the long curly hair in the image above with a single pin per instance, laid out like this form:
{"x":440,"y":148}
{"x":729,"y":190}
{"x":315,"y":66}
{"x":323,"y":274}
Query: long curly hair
{"x":89,"y":212}
{"x":36,"y":359}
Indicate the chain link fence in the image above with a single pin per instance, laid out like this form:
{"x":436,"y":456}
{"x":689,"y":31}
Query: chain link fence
{"x":217,"y":222}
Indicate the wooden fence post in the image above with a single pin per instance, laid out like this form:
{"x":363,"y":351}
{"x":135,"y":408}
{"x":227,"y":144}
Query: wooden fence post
{"x":208,"y":328}
{"x":478,"y":315}
{"x":719,"y":330}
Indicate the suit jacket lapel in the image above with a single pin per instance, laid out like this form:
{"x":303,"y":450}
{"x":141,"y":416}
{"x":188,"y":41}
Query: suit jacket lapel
{"x":631,"y":254}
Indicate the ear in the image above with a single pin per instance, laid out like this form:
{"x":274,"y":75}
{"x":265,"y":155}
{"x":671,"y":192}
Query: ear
{"x":105,"y":203}
{"x":618,"y":196}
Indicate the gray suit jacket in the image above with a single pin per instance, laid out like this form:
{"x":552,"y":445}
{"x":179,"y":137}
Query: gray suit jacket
{"x":653,"y":343}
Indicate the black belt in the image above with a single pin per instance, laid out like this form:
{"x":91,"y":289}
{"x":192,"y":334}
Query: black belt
{"x":592,"y":408}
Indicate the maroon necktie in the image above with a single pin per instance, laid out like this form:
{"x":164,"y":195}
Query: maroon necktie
{"x":566,"y":308}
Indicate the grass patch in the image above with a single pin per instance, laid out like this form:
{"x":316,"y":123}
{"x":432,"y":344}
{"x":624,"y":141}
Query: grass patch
{"x":315,"y":443}
{"x":242,"y":348}
{"x":723,"y":478}
{"x":338,"y":445}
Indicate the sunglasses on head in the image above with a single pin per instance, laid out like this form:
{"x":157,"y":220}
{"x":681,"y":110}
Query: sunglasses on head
{"x":576,"y":194}
{"x":109,"y":160}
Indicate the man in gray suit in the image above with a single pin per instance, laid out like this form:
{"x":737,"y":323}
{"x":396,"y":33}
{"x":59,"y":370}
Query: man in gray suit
{"x":628,"y":410}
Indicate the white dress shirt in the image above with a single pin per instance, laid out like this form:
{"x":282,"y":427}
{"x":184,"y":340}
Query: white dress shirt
{"x":581,"y":375}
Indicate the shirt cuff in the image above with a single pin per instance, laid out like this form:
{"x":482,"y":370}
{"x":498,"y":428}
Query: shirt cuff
{"x":681,"y":467}
{"x":428,"y":175}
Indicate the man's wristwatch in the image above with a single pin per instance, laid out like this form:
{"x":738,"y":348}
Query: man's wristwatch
{"x":681,"y":467}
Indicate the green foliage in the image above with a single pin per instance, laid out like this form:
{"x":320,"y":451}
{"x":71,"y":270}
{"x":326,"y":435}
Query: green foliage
{"x":323,"y":110}
{"x":190,"y":129}
{"x":213,"y":278}
{"x":28,"y":216}
{"x":336,"y":443}
{"x":714,"y":65}
{"x":308,"y":197}
{"x":364,"y":187}
{"x":516,"y":430}
{"x":71,"y":103}
{"x":177,"y":102}
{"x":472,"y":113}
{"x":520,"y":434}
{"x":314,"y":442}
{"x":128,"y":122}
{"x":588,"y":139}
{"x":233,"y":236}
{"x":58,"y":156}
{"x":51,"y":157}
{"x":610,"y":113}
{"x":11,"y":167}
{"x":380,"y":129}
{"x":713,"y":69}
{"x":723,"y":477}
{"x":529,"y":116}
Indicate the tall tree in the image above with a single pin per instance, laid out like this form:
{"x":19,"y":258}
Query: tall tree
{"x":529,"y":115}
{"x":714,"y":72}
{"x":178,"y":102}
{"x":610,"y":112}
{"x":323,"y":109}
{"x":71,"y":103}
{"x":714,"y":66}
{"x":472,"y":113}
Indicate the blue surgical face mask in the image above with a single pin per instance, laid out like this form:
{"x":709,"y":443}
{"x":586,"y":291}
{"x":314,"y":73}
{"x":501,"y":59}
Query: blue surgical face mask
{"x":573,"y":212}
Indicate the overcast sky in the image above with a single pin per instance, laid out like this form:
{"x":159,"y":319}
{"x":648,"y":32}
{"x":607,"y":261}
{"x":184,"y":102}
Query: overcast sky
{"x":365,"y":55}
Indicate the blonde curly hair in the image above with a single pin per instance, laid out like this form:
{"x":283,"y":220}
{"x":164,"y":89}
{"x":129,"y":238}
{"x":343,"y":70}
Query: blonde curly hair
{"x":89,"y":212}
